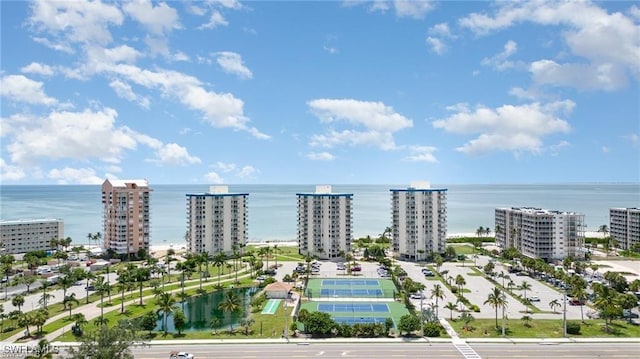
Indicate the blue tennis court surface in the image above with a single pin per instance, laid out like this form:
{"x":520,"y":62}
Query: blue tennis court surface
{"x":326,"y":292}
{"x":358,"y":320}
{"x":350,"y":282}
{"x":353,"y":307}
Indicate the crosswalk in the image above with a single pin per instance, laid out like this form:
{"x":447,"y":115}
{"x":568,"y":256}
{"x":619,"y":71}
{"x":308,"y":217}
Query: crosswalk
{"x":466,"y":350}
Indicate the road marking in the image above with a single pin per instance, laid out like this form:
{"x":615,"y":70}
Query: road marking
{"x":319,"y":354}
{"x":466,"y":350}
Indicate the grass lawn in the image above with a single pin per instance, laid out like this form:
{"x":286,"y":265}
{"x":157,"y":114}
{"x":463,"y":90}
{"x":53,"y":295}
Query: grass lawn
{"x":464,"y":249}
{"x":543,"y":328}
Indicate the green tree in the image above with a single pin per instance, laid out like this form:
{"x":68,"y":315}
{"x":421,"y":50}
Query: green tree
{"x":141,"y":275}
{"x":17,"y":301}
{"x":526,"y":319}
{"x":165,"y":302}
{"x":438,"y":293}
{"x":148,"y":321}
{"x":554,"y":304}
{"x":438,"y":261}
{"x":246,"y":324}
{"x":525,"y":286}
{"x":107,"y":343}
{"x":408,"y":324}
{"x":451,"y":306}
{"x":627,"y":301}
{"x":179,"y":320}
{"x":229,"y":304}
{"x":218,"y":260}
{"x":44,"y":299}
{"x":466,"y":318}
{"x":214,"y":324}
{"x":42,"y":351}
{"x":496,"y":299}
{"x":607,"y":303}
{"x":101,"y":286}
{"x":319,"y":323}
{"x":69,"y":301}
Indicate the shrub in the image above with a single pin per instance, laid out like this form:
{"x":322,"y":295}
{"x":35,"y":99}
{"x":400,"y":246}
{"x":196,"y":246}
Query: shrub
{"x":475,"y":308}
{"x":454,"y":290}
{"x":431,"y":330}
{"x":573,"y":328}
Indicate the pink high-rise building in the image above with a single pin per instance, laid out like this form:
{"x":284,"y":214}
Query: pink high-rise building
{"x":126,"y":215}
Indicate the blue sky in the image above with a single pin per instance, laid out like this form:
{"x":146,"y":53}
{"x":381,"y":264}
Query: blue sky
{"x":332,"y":92}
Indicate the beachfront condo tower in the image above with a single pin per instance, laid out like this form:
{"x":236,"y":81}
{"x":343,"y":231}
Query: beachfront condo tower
{"x":540,"y":233}
{"x":324,"y":223}
{"x":418,"y":221}
{"x":624,"y":226}
{"x":126,"y":216}
{"x":217,"y":221}
{"x":27,"y":235}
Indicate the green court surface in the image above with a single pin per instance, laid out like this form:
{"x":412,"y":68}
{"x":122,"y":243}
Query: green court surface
{"x":271,"y":306}
{"x":352,"y":312}
{"x":362,"y":288}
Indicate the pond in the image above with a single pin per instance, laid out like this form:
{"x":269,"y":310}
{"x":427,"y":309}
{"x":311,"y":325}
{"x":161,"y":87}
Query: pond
{"x":199,"y":311}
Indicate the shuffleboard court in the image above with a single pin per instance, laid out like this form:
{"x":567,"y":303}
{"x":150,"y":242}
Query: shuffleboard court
{"x":350,"y":282}
{"x":354,"y":307}
{"x":271,"y":306}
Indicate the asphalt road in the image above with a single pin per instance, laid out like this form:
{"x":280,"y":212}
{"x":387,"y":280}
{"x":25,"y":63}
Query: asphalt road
{"x":394,"y":350}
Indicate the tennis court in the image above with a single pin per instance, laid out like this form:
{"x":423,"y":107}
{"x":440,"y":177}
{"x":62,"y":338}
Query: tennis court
{"x":350,"y":288}
{"x":350,"y":282}
{"x":271,"y":306}
{"x":353,"y":307}
{"x":359,"y":312}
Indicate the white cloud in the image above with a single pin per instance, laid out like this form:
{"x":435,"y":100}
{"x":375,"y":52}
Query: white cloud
{"x":22,"y":89}
{"x":509,"y":127}
{"x":634,"y":139}
{"x":83,"y":136}
{"x":173,"y":154}
{"x":180,"y":56}
{"x":226,"y":167}
{"x":215,"y":20}
{"x":634,"y":11}
{"x":9,"y":172}
{"x":69,"y":175}
{"x":525,"y":94}
{"x":125,"y":91}
{"x":422,"y":154}
{"x":320,"y":156}
{"x":378,"y":120}
{"x":500,"y":61}
{"x":437,"y":45}
{"x":441,"y":29}
{"x":330,"y":49}
{"x":231,"y":63}
{"x":608,"y":77}
{"x":158,"y":20}
{"x":607,"y":46}
{"x":247,"y":172}
{"x":62,"y":47}
{"x":605,"y":149}
{"x":38,"y":69}
{"x":76,"y":21}
{"x":412,"y":8}
{"x":213,"y":178}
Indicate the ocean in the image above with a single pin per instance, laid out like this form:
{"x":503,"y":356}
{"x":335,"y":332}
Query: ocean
{"x":272,"y":208}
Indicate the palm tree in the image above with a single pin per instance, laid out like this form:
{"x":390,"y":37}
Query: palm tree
{"x":89,"y":276}
{"x":124,"y":276}
{"x":65,"y":283}
{"x":451,"y":306}
{"x":69,"y":301}
{"x":246,"y":324}
{"x":80,"y":320}
{"x":496,"y":299}
{"x":526,"y":319}
{"x":606,"y":302}
{"x":218,"y":261}
{"x":276,"y":250}
{"x":165,"y":302}
{"x":460,"y":282}
{"x":579,"y":291}
{"x":214,"y":323}
{"x":525,"y":286}
{"x":167,"y":260}
{"x":45,"y":296}
{"x":42,"y":351}
{"x":437,"y":293}
{"x":17,"y":301}
{"x":480,"y":231}
{"x":141,"y":275}
{"x":439,"y":261}
{"x":466,"y":318}
{"x":229,"y":304}
{"x":554,"y":304}
{"x":100,"y":287}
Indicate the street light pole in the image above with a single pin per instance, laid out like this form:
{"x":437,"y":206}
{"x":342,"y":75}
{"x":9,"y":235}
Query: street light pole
{"x":421,"y":315}
{"x":504,"y":296}
{"x":564,"y":313}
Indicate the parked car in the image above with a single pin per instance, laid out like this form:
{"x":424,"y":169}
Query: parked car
{"x":418,"y":296}
{"x":577,"y":302}
{"x":180,"y":355}
{"x":356,"y":269}
{"x":534,"y":298}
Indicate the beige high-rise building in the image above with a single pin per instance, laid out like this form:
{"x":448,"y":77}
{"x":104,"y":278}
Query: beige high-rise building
{"x":419,"y":221}
{"x":324,"y":223}
{"x":624,"y":226}
{"x":126,"y":215}
{"x":27,"y":235}
{"x":217,"y":221}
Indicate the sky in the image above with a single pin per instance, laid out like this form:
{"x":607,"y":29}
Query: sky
{"x":331,"y":92}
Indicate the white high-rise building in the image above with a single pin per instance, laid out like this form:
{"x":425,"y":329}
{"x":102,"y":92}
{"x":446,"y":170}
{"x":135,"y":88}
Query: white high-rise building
{"x":324,"y":223}
{"x":217,"y":221}
{"x":624,"y":226}
{"x":419,"y":221}
{"x":126,"y":215}
{"x":540,"y":233}
{"x":28,"y":235}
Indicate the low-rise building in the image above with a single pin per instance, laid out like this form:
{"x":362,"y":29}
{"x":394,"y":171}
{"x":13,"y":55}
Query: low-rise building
{"x":27,"y":235}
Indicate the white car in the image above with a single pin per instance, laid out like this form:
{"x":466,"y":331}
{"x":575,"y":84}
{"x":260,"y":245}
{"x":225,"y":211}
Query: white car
{"x":417,"y":296}
{"x":180,"y":355}
{"x":534,"y":298}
